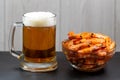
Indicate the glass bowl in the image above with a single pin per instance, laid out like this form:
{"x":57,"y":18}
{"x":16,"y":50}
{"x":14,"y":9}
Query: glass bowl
{"x":87,"y":62}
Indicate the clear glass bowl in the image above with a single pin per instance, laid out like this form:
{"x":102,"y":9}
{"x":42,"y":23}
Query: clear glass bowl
{"x":88,"y":62}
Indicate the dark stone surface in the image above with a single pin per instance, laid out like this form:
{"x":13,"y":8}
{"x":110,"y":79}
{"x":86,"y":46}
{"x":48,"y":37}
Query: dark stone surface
{"x":9,"y":70}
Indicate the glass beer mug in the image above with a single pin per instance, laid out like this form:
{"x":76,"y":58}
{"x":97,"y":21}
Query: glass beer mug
{"x":38,"y":50}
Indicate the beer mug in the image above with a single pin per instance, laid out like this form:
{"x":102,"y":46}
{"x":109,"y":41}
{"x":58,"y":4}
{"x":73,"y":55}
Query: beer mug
{"x":39,"y":36}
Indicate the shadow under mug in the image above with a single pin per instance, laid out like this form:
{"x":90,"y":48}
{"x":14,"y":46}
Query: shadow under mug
{"x":39,"y":34}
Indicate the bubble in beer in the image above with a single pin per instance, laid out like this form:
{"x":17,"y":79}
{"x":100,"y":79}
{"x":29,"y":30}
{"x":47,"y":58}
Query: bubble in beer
{"x":37,"y":19}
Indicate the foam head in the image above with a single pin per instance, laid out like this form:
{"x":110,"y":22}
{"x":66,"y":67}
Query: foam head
{"x":39,"y":19}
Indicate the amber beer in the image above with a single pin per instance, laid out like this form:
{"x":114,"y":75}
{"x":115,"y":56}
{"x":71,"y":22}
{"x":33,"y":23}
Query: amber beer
{"x":39,"y":43}
{"x":39,"y":37}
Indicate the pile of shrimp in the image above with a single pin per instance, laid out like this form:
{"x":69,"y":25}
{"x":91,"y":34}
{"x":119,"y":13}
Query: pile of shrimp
{"x":88,"y":42}
{"x":88,"y":50}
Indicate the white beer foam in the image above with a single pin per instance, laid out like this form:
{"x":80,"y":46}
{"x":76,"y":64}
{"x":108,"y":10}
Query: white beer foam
{"x":39,"y":19}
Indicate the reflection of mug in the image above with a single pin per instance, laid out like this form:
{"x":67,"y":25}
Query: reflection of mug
{"x":39,"y":29}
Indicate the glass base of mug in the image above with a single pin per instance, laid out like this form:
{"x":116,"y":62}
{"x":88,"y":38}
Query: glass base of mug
{"x":38,"y":67}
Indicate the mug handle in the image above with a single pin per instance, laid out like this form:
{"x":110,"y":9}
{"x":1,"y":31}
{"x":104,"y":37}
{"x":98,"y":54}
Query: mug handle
{"x":12,"y":50}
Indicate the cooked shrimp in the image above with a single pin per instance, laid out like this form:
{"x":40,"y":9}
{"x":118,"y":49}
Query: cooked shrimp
{"x":93,"y":40}
{"x":111,"y":47}
{"x":86,"y":35}
{"x":100,"y":62}
{"x":72,"y":35}
{"x":101,"y":53}
{"x":78,"y":46}
{"x":90,"y":49}
{"x":98,"y":35}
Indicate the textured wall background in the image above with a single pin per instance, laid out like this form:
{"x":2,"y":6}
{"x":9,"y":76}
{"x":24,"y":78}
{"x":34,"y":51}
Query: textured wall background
{"x":72,"y":15}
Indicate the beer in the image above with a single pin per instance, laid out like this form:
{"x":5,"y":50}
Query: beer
{"x":39,"y":43}
{"x":39,"y":37}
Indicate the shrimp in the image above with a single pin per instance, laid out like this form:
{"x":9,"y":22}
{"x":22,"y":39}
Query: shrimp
{"x":86,"y":35}
{"x":68,"y":43}
{"x":89,"y":61}
{"x":78,"y":46}
{"x":100,"y":62}
{"x":111,"y":47}
{"x":89,"y":49}
{"x":72,"y":35}
{"x":93,"y":40}
{"x":98,"y":35}
{"x":101,"y":53}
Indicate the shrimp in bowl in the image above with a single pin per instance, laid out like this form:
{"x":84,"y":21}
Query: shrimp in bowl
{"x":88,"y":51}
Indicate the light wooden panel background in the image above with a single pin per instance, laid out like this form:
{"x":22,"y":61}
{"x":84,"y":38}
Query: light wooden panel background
{"x":72,"y":15}
{"x":117,"y":24}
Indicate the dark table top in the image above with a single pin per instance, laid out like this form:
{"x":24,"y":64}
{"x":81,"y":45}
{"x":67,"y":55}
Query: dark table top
{"x":9,"y":70}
